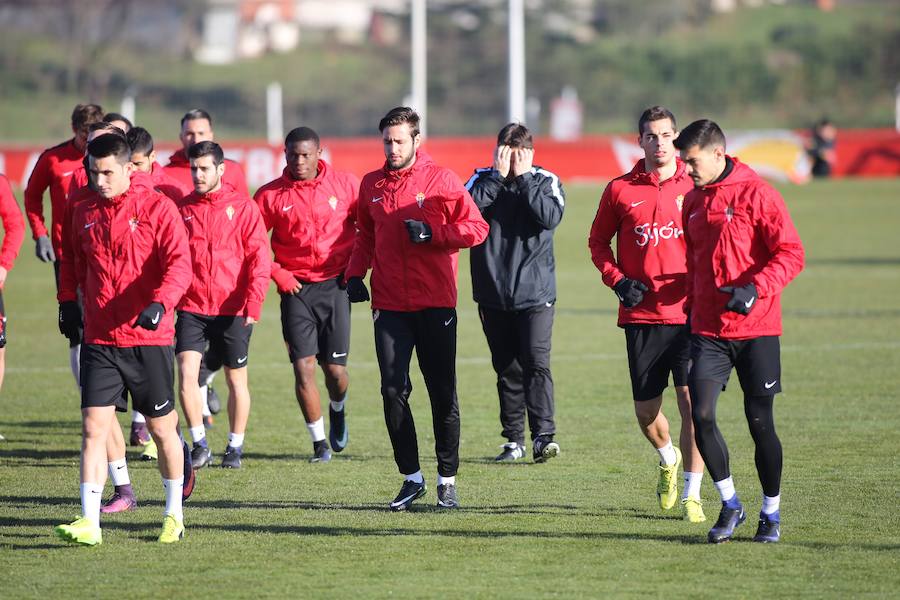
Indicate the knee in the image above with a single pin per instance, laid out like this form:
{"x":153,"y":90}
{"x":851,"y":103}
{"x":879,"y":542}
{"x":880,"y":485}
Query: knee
{"x":334,"y":374}
{"x":305,"y":371}
{"x":645,"y":413}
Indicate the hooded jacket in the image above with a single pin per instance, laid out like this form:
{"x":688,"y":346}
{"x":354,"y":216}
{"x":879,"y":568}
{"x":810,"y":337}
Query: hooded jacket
{"x":179,"y":169}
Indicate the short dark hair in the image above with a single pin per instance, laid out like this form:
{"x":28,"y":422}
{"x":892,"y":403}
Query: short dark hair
{"x":201,"y":149}
{"x":195,"y":114}
{"x":515,"y":135}
{"x":703,"y":133}
{"x":85,"y":114}
{"x":107,"y":127}
{"x":655,"y":113}
{"x":398,"y":116}
{"x":140,"y":140}
{"x":301,"y":134}
{"x":114,"y":116}
{"x":110,"y":144}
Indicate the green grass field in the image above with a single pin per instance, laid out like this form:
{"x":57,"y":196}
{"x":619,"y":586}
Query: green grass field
{"x":583,"y":525}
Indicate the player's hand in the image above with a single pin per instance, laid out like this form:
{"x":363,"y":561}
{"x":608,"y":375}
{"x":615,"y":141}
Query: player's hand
{"x":69,"y":318}
{"x":502,"y":157}
{"x":43,"y":249}
{"x":630,"y":292}
{"x":419,"y":231}
{"x":248,"y":321}
{"x":3,"y":274}
{"x":522,"y":161}
{"x":150,"y":316}
{"x":286,"y":282}
{"x":356,"y":290}
{"x":743,"y":299}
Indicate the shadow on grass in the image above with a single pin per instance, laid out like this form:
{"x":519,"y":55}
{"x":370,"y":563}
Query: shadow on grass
{"x":31,"y":457}
{"x":303,"y":457}
{"x":67,"y":424}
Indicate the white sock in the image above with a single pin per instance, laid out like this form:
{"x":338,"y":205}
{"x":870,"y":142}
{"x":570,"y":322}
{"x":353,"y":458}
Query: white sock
{"x":204,"y":393}
{"x":726,"y":489}
{"x":317,"y":430}
{"x":235,"y":440}
{"x":771,"y":504}
{"x":91,"y":498}
{"x":667,"y":454}
{"x":137,"y":417}
{"x":417,"y":477}
{"x":209,"y":379}
{"x":692,"y":485}
{"x":446,"y":480}
{"x":173,"y":497}
{"x":75,"y":363}
{"x":198,"y":433}
{"x":118,"y":472}
{"x":339,"y":405}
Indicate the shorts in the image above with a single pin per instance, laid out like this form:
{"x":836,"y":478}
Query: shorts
{"x":654,"y":351}
{"x":2,"y":322}
{"x":316,"y":322}
{"x":110,"y":373}
{"x":757,"y":361}
{"x":227,"y":336}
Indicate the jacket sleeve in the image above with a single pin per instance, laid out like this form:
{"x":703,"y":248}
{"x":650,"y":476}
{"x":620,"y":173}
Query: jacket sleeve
{"x":13,"y":225}
{"x":465,"y":227}
{"x":237,"y":178}
{"x":545,"y":196}
{"x":256,"y":251}
{"x":38,"y":183}
{"x":604,"y":228}
{"x":262,"y":201}
{"x":484,"y":187}
{"x":783,"y":242}
{"x":174,"y":255}
{"x":364,"y":244}
{"x":71,"y":261}
{"x":686,"y":210}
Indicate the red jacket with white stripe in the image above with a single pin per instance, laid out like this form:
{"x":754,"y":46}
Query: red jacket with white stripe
{"x":127,"y":252}
{"x":738,"y":231}
{"x":313,"y":223}
{"x":405,"y":276}
{"x":54,"y":170}
{"x":13,"y":225}
{"x":644,"y":215}
{"x":179,"y":169}
{"x":229,"y":254}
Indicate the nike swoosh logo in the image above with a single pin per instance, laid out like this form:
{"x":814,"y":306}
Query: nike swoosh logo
{"x":448,"y":321}
{"x":423,"y":236}
{"x":633,"y":204}
{"x":159,"y":406}
{"x":286,"y":208}
{"x":769,"y":386}
{"x":242,"y":360}
{"x":692,"y":215}
{"x":155,"y":319}
{"x":188,"y":218}
{"x":378,"y":199}
{"x":67,"y":173}
{"x":119,"y":468}
{"x":338,"y":355}
{"x":89,"y":225}
{"x":749,"y":302}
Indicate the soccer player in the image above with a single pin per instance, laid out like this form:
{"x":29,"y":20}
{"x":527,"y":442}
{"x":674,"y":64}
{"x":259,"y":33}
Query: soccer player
{"x":143,"y":157}
{"x":54,"y":170}
{"x":642,"y":210}
{"x":514,"y":285}
{"x":311,"y":210}
{"x":413,"y":217}
{"x":119,"y":120}
{"x":231,"y":266}
{"x":131,"y":259}
{"x":13,"y":234}
{"x":742,"y":250}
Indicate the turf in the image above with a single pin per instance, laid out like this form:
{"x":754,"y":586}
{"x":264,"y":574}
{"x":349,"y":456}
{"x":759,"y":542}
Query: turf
{"x":584,"y":525}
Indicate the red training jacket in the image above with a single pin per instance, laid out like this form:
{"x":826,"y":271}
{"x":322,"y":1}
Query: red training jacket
{"x":127,"y":252}
{"x":405,"y":276}
{"x":738,"y":231}
{"x":179,"y":169}
{"x":54,"y":170}
{"x":229,"y":254}
{"x":644,"y":215}
{"x":13,"y":225}
{"x":168,"y":185}
{"x":313,"y":224}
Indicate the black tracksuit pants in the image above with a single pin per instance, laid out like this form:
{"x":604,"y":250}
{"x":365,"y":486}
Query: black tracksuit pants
{"x":432,"y":332}
{"x":520,"y":352}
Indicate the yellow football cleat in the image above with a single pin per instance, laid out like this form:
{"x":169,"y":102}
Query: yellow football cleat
{"x":80,"y":531}
{"x":172,"y":531}
{"x":667,"y":488}
{"x":693,"y":510}
{"x":150,"y":451}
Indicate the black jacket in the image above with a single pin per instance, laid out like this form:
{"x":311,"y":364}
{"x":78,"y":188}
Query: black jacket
{"x":514,"y":268}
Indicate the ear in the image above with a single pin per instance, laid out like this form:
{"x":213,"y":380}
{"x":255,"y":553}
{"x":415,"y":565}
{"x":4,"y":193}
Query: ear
{"x":319,"y":152}
{"x":221,"y":169}
{"x":719,"y":152}
{"x":417,"y":140}
{"x":151,"y":158}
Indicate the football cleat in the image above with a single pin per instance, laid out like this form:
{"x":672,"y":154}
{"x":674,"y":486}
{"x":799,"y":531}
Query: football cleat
{"x":769,"y":529}
{"x":172,"y":530}
{"x":232,"y":458}
{"x":140,"y":436}
{"x":447,"y":498}
{"x":729,"y":519}
{"x":512,"y":451}
{"x":544,"y":448}
{"x":409,"y":492}
{"x":321,"y":452}
{"x":119,"y":502}
{"x":207,"y":422}
{"x":151,"y":452}
{"x":692,"y":509}
{"x":337,"y":429}
{"x":80,"y":531}
{"x":212,"y":400}
{"x":666,"y":486}
{"x":200,"y":456}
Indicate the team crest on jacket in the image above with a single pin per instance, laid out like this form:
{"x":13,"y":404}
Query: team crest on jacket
{"x":679,"y":201}
{"x":332,"y":202}
{"x":133,"y":222}
{"x":230,"y":212}
{"x":420,"y":199}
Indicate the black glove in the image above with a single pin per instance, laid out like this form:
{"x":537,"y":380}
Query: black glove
{"x":150,"y":316}
{"x":419,"y":231}
{"x":630,"y":292}
{"x":69,"y":319}
{"x":43,"y":249}
{"x":743,"y":299}
{"x":356,"y":290}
